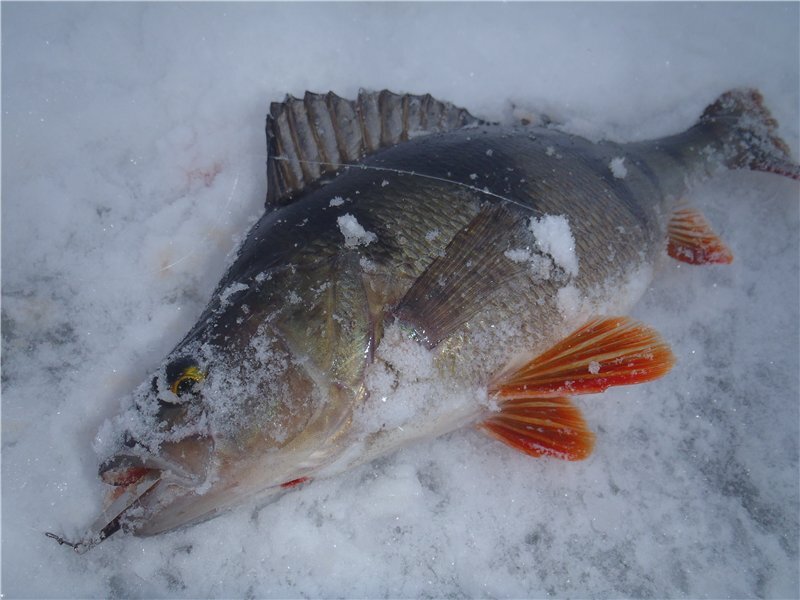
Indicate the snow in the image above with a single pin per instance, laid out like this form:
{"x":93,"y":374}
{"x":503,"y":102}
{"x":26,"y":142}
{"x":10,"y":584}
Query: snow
{"x":617,"y":166}
{"x":554,"y":237}
{"x":571,"y":304}
{"x":354,"y":234}
{"x":133,"y":164}
{"x":404,"y":378}
{"x":555,"y":244}
{"x":541,"y":266}
{"x":234,"y":288}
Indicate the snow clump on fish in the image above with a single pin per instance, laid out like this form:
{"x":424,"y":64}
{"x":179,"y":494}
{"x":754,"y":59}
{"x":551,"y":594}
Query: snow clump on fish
{"x":556,"y":244}
{"x":354,"y":234}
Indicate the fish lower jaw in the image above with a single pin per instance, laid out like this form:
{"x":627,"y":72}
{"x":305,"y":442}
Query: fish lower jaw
{"x":344,"y":444}
{"x":177,"y":505}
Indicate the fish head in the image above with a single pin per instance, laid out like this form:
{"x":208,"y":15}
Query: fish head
{"x":216,"y":424}
{"x":258,"y":396}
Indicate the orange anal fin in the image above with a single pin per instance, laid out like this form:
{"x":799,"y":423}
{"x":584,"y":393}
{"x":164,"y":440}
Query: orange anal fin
{"x":604,"y":352}
{"x":691,"y":240}
{"x":542,"y":427}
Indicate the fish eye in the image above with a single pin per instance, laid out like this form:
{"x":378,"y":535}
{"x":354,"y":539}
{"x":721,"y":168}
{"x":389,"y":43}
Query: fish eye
{"x":187,"y":381}
{"x":182,"y":378}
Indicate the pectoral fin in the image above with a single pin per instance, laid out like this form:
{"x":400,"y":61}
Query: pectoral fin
{"x":456,"y":286}
{"x":534,"y":415}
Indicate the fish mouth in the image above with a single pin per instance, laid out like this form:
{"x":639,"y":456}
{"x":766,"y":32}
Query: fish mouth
{"x":144,"y":483}
{"x":184,"y":463}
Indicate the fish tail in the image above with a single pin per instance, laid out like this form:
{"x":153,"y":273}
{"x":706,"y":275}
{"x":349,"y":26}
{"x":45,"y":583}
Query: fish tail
{"x":749,"y":133}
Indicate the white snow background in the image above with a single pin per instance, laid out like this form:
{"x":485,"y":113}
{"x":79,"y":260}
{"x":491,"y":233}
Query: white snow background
{"x":133,"y":163}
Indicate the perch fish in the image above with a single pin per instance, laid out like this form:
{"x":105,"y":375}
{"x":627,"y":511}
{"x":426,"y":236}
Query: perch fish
{"x":418,"y":270}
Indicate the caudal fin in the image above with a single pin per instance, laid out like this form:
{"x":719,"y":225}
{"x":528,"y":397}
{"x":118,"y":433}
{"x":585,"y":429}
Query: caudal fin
{"x":749,"y":133}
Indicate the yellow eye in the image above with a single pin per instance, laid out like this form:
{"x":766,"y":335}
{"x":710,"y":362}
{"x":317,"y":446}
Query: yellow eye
{"x":186,"y":380}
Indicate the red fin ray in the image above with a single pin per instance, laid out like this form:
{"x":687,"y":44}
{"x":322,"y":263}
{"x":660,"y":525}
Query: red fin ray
{"x":691,"y":240}
{"x":602,"y":353}
{"x":534,"y":415}
{"x":546,"y":427}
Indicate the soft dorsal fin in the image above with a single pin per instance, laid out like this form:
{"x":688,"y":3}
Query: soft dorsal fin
{"x":313,"y":137}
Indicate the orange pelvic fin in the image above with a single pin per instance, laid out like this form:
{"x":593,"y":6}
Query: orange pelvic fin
{"x":542,"y":427}
{"x":691,"y":240}
{"x":535,"y":417}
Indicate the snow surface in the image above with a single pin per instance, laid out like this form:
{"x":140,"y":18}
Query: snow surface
{"x":133,"y":163}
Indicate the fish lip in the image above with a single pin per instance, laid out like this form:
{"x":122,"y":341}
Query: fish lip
{"x":185,"y":463}
{"x":112,"y":470}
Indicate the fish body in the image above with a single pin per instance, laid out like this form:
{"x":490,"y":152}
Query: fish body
{"x":432,"y":284}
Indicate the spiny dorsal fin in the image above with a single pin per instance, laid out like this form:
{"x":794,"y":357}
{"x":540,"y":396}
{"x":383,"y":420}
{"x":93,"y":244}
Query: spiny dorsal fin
{"x":313,"y":137}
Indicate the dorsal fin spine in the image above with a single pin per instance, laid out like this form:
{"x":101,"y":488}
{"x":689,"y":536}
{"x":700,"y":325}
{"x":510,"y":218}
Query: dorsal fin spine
{"x":385,"y":116}
{"x":280,"y":122}
{"x":404,"y":102}
{"x":341,"y":147}
{"x":316,"y":119}
{"x":338,"y":149}
{"x":303,"y":138}
{"x":338,"y":107}
{"x":390,"y":106}
{"x":361,"y":113}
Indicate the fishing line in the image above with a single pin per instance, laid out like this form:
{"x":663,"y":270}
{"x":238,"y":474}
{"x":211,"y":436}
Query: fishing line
{"x":206,"y":237}
{"x":416,"y":174}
